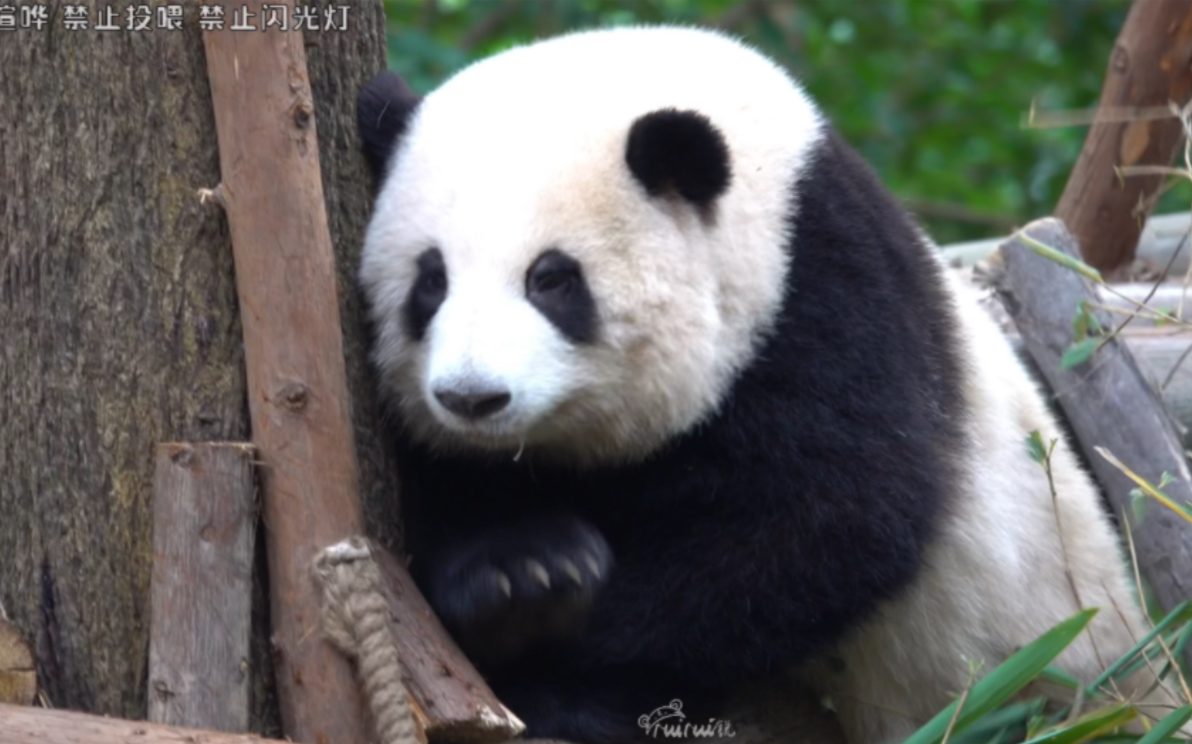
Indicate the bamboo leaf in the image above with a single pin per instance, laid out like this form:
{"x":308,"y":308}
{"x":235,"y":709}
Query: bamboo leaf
{"x":1170,"y":724}
{"x":1034,"y":446}
{"x":1057,"y":676}
{"x":1089,"y":725}
{"x":1079,"y":353}
{"x":1059,"y":257}
{"x":1147,"y":488}
{"x":1010,"y":719}
{"x":1005,"y":681}
{"x":1181,"y":614}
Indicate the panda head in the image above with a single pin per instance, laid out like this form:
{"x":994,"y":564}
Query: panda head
{"x":577,"y":245}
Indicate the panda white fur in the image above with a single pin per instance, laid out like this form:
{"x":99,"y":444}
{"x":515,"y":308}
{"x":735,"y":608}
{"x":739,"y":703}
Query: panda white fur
{"x":689,"y":400}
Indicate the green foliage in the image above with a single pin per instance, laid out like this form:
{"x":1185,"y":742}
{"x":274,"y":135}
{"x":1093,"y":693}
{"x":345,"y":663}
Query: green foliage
{"x":1084,"y":323}
{"x":1035,"y":447}
{"x":1099,"y":721}
{"x":933,"y":94}
{"x":1087,"y":337}
{"x":1002,"y":683}
{"x":983,"y":712}
{"x":1079,"y":353}
{"x":1168,"y":726}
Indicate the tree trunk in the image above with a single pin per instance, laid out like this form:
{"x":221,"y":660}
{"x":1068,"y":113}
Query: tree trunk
{"x":119,"y":327}
{"x":1149,"y":67}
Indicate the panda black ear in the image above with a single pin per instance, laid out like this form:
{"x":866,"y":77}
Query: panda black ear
{"x":383,"y":109}
{"x":679,"y":151}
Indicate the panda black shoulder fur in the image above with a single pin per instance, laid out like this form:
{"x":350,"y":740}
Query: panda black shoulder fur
{"x":690,"y":399}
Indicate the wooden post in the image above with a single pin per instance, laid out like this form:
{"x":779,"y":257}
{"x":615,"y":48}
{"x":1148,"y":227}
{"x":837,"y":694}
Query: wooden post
{"x":204,"y":522}
{"x":21,"y":725}
{"x":1108,"y":404}
{"x":285,"y":276}
{"x":1149,"y":66}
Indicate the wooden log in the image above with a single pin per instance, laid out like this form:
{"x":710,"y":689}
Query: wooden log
{"x":1108,"y":403}
{"x":272,"y":192}
{"x":204,"y":524}
{"x":1151,"y":64}
{"x":1161,"y":236}
{"x":1166,"y":362}
{"x":447,"y":694}
{"x":1171,"y":298}
{"x":22,"y":725}
{"x":1157,"y":357}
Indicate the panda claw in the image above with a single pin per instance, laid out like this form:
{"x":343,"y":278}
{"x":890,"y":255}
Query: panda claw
{"x":538,"y":572}
{"x":593,"y":565}
{"x":505,"y":585}
{"x":571,"y":570}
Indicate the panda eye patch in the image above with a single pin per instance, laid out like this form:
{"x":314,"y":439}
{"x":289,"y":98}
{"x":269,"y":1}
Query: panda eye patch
{"x":555,"y":286}
{"x":558,"y":280}
{"x":427,"y":294}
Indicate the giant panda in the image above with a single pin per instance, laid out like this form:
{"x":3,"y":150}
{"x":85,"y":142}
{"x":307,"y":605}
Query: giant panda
{"x":687,"y":400}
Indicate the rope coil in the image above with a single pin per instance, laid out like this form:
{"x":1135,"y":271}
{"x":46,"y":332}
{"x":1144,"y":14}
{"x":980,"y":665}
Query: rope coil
{"x":356,"y":620}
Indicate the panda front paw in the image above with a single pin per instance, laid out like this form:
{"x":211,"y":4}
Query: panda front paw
{"x":520,"y":584}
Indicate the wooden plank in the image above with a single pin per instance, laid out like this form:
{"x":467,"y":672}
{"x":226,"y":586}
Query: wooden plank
{"x":22,"y":725}
{"x":1151,"y":64}
{"x":204,"y":523}
{"x":272,"y":192}
{"x":18,"y":676}
{"x":1108,"y":403}
{"x":447,"y":695}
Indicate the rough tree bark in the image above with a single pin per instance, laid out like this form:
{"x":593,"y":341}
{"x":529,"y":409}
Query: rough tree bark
{"x":118,"y":325}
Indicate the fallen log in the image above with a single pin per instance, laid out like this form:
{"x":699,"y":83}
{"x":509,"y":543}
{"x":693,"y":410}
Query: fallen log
{"x":1165,"y":362}
{"x":1171,"y":298}
{"x":1161,"y":237}
{"x":1108,"y":403}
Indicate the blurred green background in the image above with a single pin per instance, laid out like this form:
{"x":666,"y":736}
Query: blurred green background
{"x":934,"y":93}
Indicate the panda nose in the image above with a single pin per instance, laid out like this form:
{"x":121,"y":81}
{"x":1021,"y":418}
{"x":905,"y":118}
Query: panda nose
{"x":473,"y":404}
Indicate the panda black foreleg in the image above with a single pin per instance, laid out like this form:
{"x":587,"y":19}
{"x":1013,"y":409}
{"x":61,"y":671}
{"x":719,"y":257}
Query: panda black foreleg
{"x":506,"y":588}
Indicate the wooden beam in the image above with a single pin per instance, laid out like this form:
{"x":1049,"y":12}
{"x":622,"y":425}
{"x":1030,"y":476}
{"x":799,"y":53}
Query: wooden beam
{"x":23,"y":725}
{"x":272,"y":192}
{"x":1108,"y":403}
{"x":1151,"y":65}
{"x":447,"y":695}
{"x":204,"y":524}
